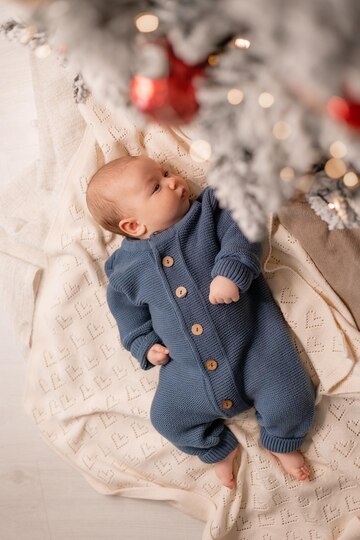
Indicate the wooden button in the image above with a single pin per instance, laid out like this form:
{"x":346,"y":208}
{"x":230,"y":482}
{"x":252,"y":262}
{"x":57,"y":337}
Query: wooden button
{"x":197,"y":329}
{"x":181,"y":292}
{"x":226,"y":404}
{"x":211,"y":364}
{"x":167,"y":261}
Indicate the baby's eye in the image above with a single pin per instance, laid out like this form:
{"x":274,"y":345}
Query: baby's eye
{"x":156,"y":188}
{"x":166,"y":174}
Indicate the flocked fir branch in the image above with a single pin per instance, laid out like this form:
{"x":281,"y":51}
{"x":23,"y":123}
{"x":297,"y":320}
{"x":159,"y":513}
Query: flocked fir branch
{"x":278,"y":101}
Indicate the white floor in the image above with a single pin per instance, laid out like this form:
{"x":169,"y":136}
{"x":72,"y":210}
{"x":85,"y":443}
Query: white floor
{"x":41,"y":497}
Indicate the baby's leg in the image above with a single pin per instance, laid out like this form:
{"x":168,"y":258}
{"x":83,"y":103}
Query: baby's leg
{"x":294,"y":464}
{"x":224,"y":469}
{"x":284,"y":399}
{"x":192,"y":428}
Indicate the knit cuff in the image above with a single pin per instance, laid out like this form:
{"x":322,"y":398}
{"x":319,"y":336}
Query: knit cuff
{"x":140,"y":347}
{"x":235,"y":271}
{"x":279,"y":444}
{"x":227,"y":443}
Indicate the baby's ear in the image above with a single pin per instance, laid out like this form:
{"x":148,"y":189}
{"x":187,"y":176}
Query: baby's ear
{"x":132,"y":227}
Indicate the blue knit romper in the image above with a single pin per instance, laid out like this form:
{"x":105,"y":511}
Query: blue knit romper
{"x":224,"y":358}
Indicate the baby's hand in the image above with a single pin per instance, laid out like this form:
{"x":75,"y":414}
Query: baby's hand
{"x":158,"y":355}
{"x":223,"y":291}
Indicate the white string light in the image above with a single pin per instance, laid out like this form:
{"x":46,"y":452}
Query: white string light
{"x":266,"y":100}
{"x":43,"y":51}
{"x":287,"y":174}
{"x":235,"y":96}
{"x":335,"y":168}
{"x":351,"y":179}
{"x":281,"y":130}
{"x":242,"y":43}
{"x":146,"y":22}
{"x":338,"y":149}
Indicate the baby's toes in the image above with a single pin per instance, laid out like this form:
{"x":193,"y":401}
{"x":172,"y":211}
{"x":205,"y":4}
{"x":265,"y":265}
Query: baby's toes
{"x":229,"y":482}
{"x":302,"y":473}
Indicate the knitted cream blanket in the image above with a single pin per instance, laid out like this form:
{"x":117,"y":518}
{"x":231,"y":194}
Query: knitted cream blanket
{"x":88,"y":396}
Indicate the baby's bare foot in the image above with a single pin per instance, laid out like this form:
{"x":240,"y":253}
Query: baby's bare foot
{"x":294,"y":464}
{"x":224,"y":470}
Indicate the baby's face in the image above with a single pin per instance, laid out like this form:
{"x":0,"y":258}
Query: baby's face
{"x":155,"y":198}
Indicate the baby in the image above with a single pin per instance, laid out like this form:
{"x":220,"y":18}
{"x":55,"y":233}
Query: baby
{"x":187,"y":293}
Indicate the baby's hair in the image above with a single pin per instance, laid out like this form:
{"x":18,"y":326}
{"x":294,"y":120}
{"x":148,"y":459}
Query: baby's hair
{"x":100,"y":202}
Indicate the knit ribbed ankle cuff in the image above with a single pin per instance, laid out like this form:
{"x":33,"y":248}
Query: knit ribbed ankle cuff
{"x":227,"y":444}
{"x":277,"y":444}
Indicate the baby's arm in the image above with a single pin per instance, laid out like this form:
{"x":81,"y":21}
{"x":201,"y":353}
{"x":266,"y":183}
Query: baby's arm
{"x":238,"y":259}
{"x":134,"y":322}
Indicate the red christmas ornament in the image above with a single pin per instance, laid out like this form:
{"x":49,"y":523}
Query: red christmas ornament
{"x":170,"y":99}
{"x":345,"y":109}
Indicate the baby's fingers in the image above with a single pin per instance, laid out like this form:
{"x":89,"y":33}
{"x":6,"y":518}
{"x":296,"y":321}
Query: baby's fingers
{"x":219,"y":300}
{"x":161,"y":359}
{"x":160,"y":348}
{"x":158,"y":354}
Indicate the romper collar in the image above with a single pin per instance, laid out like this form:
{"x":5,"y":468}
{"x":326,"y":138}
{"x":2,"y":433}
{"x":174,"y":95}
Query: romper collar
{"x":156,"y":239}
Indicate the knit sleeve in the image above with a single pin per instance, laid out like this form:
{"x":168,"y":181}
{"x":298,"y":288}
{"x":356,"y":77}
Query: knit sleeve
{"x":134,"y":323}
{"x":238,"y":259}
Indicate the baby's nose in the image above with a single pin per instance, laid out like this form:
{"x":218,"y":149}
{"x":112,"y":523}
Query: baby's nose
{"x":172,"y":183}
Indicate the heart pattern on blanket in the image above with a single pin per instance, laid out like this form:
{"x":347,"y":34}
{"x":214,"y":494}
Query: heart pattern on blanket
{"x":322,"y":493}
{"x":288,"y":296}
{"x":313,"y":320}
{"x":353,"y":503}
{"x":288,"y":517}
{"x":291,"y":535}
{"x":331,"y":512}
{"x":107,"y":351}
{"x":313,"y":345}
{"x":148,"y":450}
{"x":83,"y":309}
{"x":120,"y":440}
{"x":74,"y":372}
{"x":77,"y":212}
{"x":345,"y":447}
{"x":64,"y":322}
{"x":89,"y":461}
{"x":338,"y":409}
{"x":118,"y":133}
{"x":354,"y":426}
